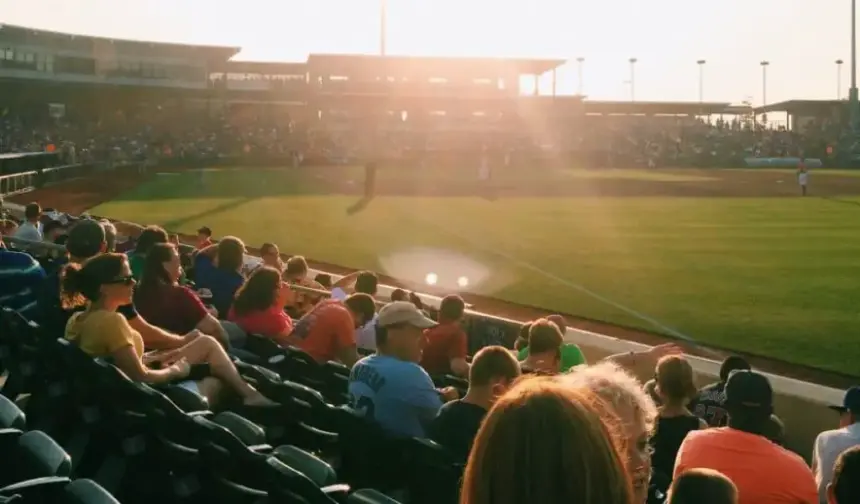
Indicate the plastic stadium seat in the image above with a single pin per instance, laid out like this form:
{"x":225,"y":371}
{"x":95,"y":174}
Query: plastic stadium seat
{"x":85,"y":491}
{"x":262,"y":347}
{"x":318,"y":471}
{"x":293,"y":486}
{"x":11,"y":416}
{"x":187,"y":400}
{"x":370,"y":496}
{"x":30,"y":455}
{"x":247,"y":431}
{"x":37,"y":490}
{"x":369,"y":457}
{"x":433,"y":473}
{"x":335,"y":376}
{"x":39,"y":455}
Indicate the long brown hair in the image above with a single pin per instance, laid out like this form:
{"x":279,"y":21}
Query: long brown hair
{"x":546,"y":443}
{"x":82,"y":283}
{"x":259,"y":292}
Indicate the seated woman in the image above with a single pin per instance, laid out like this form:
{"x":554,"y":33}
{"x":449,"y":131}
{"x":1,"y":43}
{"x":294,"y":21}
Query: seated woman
{"x":259,"y":305}
{"x":168,"y":305}
{"x":105,"y":283}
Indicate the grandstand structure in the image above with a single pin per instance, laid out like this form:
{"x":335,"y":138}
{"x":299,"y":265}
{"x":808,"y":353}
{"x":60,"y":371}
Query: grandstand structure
{"x":85,"y":75}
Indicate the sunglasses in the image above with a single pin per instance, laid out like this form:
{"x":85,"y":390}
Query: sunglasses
{"x":123,"y":280}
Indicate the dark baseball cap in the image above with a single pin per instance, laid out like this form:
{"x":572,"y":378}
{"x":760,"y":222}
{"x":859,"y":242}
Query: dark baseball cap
{"x":748,"y":390}
{"x":205,"y":230}
{"x":85,"y":239}
{"x":850,"y":402}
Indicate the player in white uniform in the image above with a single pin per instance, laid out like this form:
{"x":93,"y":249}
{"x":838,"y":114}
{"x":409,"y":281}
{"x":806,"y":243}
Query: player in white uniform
{"x":484,"y":169}
{"x":802,"y":176}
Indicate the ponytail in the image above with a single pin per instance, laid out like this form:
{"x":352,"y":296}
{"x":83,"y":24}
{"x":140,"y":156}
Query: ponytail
{"x":71,"y":295}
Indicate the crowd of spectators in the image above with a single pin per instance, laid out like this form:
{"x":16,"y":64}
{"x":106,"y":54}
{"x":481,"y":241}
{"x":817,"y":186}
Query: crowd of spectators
{"x":539,"y":423}
{"x":181,"y":131}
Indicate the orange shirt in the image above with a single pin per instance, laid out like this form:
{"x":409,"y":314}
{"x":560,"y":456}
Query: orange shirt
{"x":325,"y":330}
{"x":446,"y":341}
{"x":763,"y":472}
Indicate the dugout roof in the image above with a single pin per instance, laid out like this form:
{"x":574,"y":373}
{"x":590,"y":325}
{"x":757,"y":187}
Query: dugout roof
{"x":95,"y":45}
{"x":345,"y":64}
{"x":813,"y":108}
{"x":650,"y":108}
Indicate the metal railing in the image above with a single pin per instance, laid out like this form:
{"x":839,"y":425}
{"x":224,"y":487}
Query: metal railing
{"x":16,"y":183}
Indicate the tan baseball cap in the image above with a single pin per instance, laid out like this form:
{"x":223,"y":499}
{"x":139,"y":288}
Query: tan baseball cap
{"x":403,"y":312}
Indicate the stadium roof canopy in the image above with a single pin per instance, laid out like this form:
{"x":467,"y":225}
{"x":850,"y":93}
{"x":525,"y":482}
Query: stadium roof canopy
{"x":804,"y":107}
{"x":673,"y":108}
{"x":94,"y":45}
{"x":263,"y":68}
{"x":366,"y":63}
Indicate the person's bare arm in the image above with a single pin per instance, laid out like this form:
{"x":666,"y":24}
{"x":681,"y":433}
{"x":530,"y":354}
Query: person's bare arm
{"x":347,"y":282}
{"x":130,"y":364}
{"x":459,"y":367}
{"x":348,"y":355}
{"x":630,"y":360}
{"x":210,"y":325}
{"x":155,"y":337}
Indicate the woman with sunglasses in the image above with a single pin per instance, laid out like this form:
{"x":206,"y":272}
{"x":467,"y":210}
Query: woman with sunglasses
{"x":105,"y":283}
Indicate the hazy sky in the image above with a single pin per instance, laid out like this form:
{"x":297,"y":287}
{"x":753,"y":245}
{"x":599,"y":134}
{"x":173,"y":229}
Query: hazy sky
{"x":801,"y":38}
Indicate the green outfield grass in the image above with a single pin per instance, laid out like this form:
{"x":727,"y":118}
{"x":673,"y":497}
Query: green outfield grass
{"x":772,"y":276}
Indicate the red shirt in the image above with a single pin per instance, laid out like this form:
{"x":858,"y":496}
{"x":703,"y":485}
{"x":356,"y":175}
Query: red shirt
{"x":325,"y":330}
{"x":446,"y":341}
{"x":273,"y":323}
{"x":171,"y":307}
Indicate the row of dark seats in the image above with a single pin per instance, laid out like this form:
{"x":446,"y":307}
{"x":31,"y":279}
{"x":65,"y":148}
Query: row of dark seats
{"x":140,"y":443}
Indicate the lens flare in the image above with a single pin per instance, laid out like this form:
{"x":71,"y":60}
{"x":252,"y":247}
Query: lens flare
{"x":463,"y":282}
{"x":431,"y":279}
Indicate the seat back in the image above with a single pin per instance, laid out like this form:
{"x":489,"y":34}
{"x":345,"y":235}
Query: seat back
{"x":86,"y":491}
{"x":11,"y":416}
{"x":369,"y":456}
{"x":317,"y":470}
{"x":434,"y":474}
{"x":38,"y":455}
{"x":370,"y":496}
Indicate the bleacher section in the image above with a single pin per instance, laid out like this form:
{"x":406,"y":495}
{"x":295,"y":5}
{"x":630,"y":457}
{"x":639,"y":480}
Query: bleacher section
{"x":802,"y":406}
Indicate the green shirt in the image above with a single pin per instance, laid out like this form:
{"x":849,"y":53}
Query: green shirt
{"x":571,"y":356}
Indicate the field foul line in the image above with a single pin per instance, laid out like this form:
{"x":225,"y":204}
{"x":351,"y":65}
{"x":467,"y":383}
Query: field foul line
{"x":567,"y":283}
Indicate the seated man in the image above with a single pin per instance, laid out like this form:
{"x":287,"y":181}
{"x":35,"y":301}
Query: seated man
{"x":763,"y":472}
{"x":545,"y":342}
{"x":447,"y":343}
{"x":390,"y":387}
{"x":829,"y":444}
{"x":327,"y":332}
{"x":493,"y":371}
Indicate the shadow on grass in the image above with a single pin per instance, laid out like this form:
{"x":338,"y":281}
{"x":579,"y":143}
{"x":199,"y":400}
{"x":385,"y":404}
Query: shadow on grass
{"x":225,"y":207}
{"x":359,"y":206}
{"x":842,"y":201}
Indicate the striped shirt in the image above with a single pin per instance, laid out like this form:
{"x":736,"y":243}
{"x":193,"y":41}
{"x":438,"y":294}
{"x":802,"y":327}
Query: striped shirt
{"x":21,"y":278}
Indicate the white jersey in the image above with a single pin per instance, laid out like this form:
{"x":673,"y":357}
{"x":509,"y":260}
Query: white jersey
{"x":484,"y":170}
{"x":803,"y":178}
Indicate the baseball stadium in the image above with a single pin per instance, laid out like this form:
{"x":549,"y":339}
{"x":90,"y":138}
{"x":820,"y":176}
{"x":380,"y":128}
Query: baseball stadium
{"x":703,"y":229}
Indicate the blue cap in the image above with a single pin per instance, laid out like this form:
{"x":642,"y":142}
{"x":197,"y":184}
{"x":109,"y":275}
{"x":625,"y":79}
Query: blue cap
{"x":851,"y":401}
